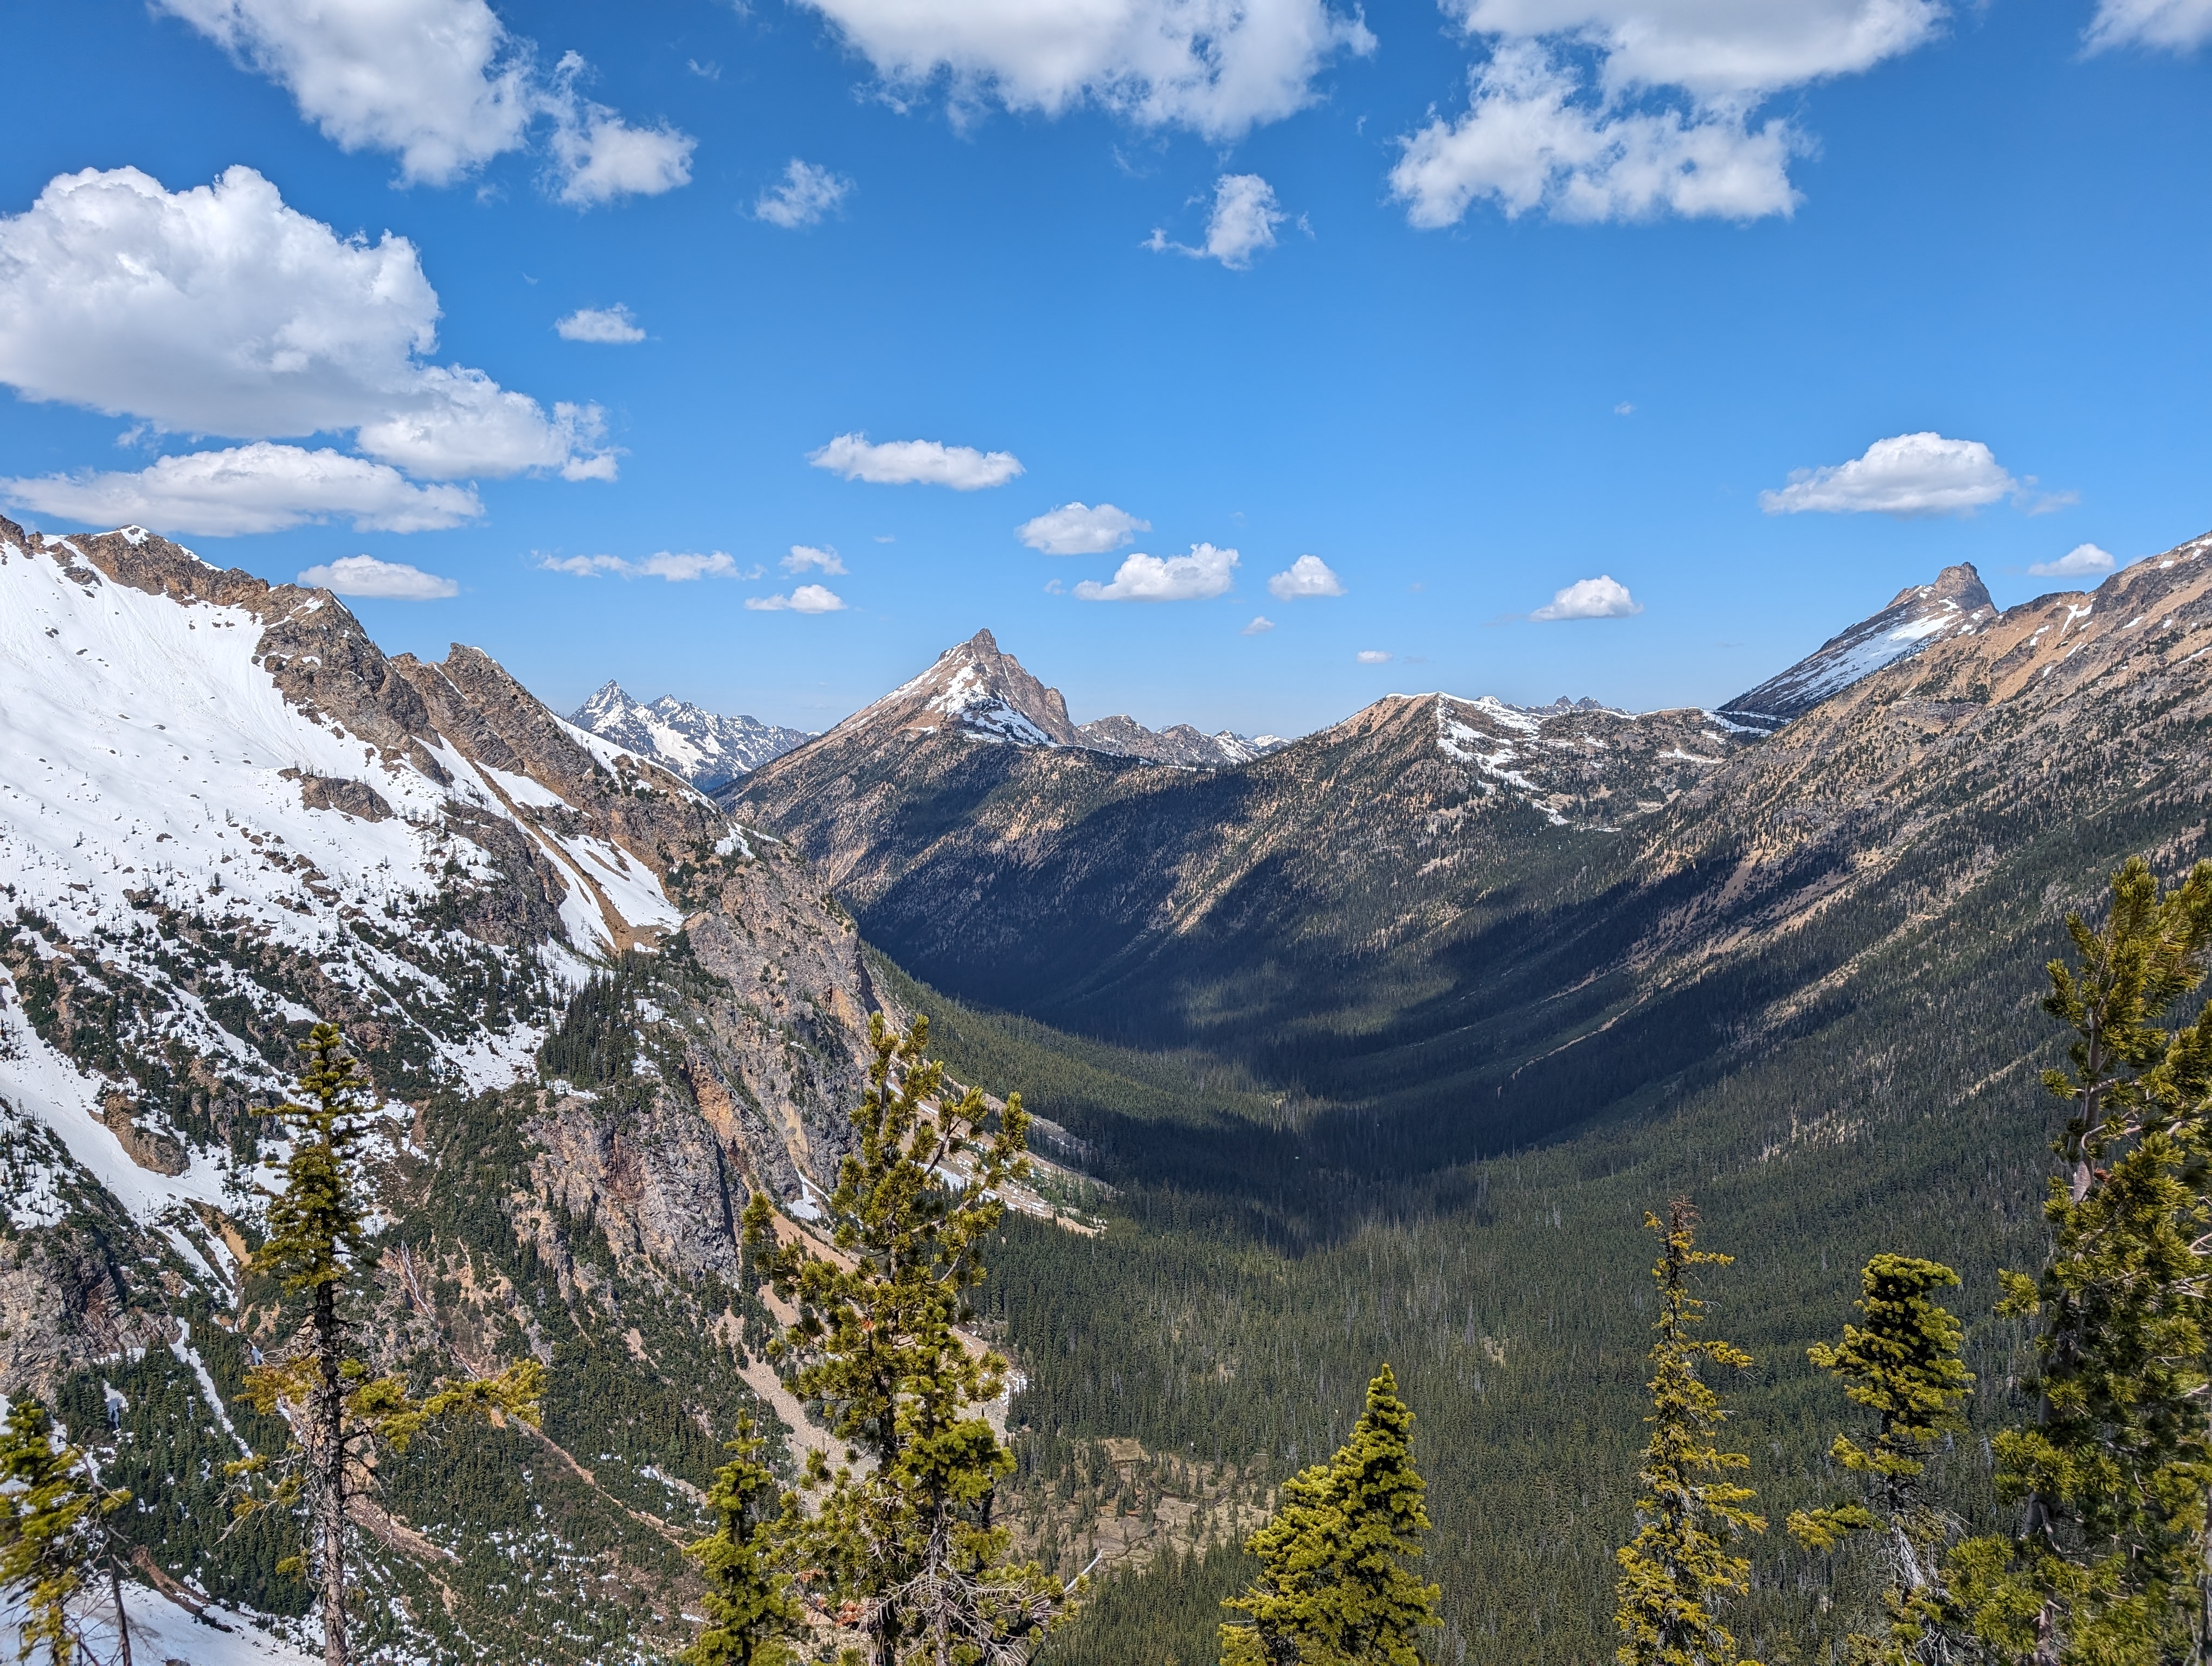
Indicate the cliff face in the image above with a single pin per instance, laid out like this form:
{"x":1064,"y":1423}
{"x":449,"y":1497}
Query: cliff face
{"x":225,"y":812}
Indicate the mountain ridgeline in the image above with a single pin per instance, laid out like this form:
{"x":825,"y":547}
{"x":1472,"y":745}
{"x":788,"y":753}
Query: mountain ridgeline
{"x":1461,"y":917}
{"x":1368,"y":1047}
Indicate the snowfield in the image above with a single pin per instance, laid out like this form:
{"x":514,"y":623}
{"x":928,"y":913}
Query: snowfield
{"x":151,"y":770}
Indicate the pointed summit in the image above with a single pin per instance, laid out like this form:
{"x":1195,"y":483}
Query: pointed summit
{"x":1956,"y":605}
{"x":975,"y":689}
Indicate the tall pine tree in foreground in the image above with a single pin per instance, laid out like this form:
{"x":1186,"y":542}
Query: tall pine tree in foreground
{"x":1334,"y":1588}
{"x":1903,"y":1366}
{"x":905,"y":1551}
{"x":1677,"y":1572}
{"x":2107,"y":1564}
{"x":338,"y":1413}
{"x":51,"y":1510}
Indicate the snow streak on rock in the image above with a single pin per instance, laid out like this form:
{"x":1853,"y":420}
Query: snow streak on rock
{"x":1956,"y":605}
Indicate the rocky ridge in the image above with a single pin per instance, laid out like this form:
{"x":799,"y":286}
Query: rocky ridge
{"x":704,"y":748}
{"x":1193,"y":908}
{"x":1956,"y":605}
{"x":225,"y":812}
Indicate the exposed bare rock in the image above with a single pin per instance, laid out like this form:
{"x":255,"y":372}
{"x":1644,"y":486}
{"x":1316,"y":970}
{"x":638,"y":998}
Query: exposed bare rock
{"x":356,"y":798}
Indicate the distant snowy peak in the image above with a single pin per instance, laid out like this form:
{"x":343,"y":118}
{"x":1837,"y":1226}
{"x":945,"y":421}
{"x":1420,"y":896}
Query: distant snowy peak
{"x":703,"y":747}
{"x":1180,"y":743}
{"x":1956,"y":605}
{"x":975,"y":689}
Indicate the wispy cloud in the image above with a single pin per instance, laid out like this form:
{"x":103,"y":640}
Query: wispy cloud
{"x":2082,"y":561}
{"x":805,"y":197}
{"x":389,"y":581}
{"x":805,"y":556}
{"x":260,"y":488}
{"x":1078,"y":529}
{"x":676,"y":569}
{"x":916,"y":463}
{"x":1205,"y":572}
{"x":806,"y":599}
{"x":1241,"y":227}
{"x":611,"y":326}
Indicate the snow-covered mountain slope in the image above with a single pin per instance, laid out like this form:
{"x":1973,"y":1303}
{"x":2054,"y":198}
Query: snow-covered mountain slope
{"x":704,"y":748}
{"x":1956,"y":605}
{"x":1579,"y":762}
{"x":1179,"y":743}
{"x":224,"y":813}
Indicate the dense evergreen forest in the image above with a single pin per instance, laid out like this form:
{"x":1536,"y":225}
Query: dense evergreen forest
{"x":1248,"y":1284}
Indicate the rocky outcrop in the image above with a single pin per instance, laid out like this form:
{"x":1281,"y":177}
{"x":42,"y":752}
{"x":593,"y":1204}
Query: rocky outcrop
{"x":1956,"y":605}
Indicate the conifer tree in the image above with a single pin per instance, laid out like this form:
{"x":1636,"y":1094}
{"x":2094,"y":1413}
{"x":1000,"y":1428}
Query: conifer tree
{"x":1334,"y":1588}
{"x":338,"y":1413}
{"x":905,"y":1547}
{"x":749,"y":1610}
{"x":2108,"y":1562}
{"x":1677,"y":1572}
{"x":50,"y":1530}
{"x":1902,"y":1364}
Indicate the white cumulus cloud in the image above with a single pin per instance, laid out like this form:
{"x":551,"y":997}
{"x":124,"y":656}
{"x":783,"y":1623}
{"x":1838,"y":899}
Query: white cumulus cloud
{"x":1373,"y":656}
{"x":1601,"y":598}
{"x":916,"y":463}
{"x":443,"y":85}
{"x":805,"y":556}
{"x":2178,"y":25}
{"x":1242,"y":225}
{"x":1260,"y":625}
{"x":600,"y":158}
{"x":260,"y":488}
{"x":1663,"y":120}
{"x":806,"y":194}
{"x":676,"y":569}
{"x":220,"y":310}
{"x":390,"y":581}
{"x":1205,"y":571}
{"x":1214,"y":66}
{"x":611,"y":325}
{"x":1078,"y":529}
{"x":1308,"y":575}
{"x":2080,"y":561}
{"x":1908,"y":476}
{"x":806,"y":599}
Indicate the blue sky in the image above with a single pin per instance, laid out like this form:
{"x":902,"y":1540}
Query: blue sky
{"x":1581,"y":339}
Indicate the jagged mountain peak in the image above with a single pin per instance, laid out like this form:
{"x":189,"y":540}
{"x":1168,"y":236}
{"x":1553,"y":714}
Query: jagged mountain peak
{"x":1960,"y":583}
{"x":705,"y":748}
{"x":975,"y":689}
{"x":1956,"y":603}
